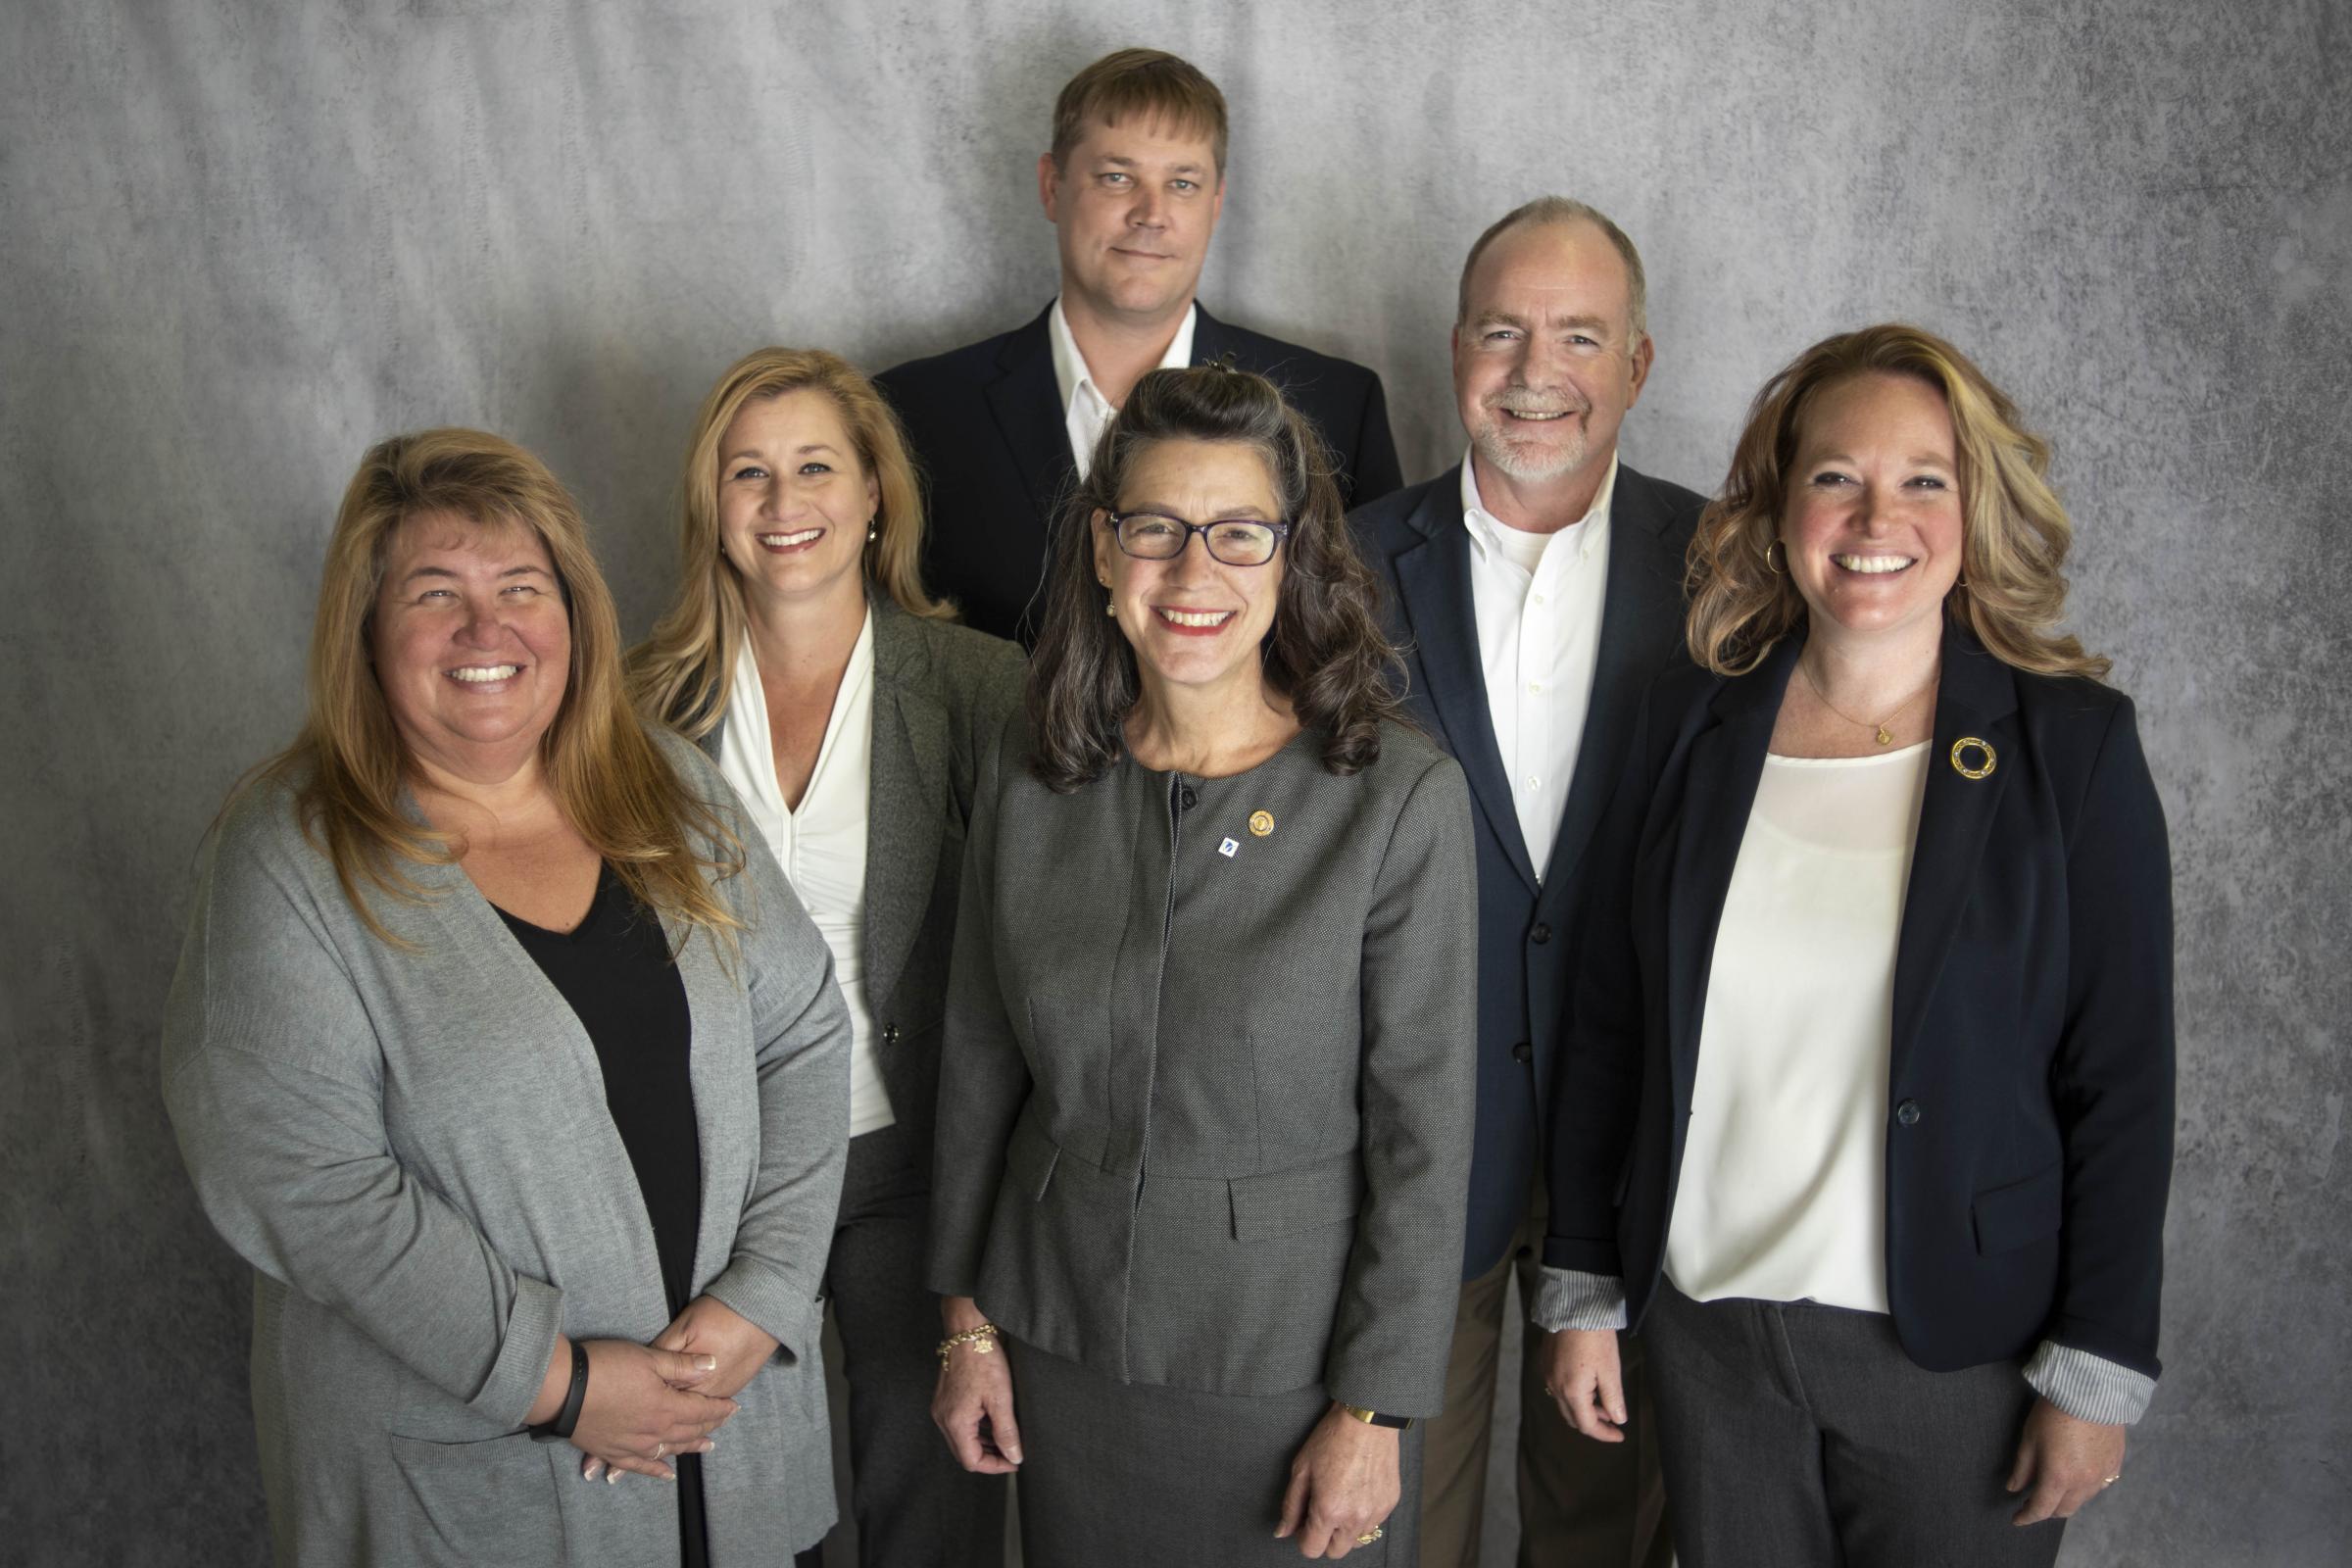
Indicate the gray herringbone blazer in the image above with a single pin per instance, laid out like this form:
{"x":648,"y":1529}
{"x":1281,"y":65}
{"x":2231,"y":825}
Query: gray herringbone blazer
{"x":1206,"y":1101}
{"x":941,"y":694}
{"x":412,"y":1150}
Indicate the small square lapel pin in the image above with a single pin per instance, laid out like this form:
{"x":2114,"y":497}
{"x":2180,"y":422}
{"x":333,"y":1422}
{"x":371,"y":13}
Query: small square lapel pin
{"x":1229,"y":848}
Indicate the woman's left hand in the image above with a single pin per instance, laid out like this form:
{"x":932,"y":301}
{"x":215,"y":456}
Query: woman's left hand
{"x":2063,"y":1462}
{"x":1344,"y":1483}
{"x":710,"y":1328}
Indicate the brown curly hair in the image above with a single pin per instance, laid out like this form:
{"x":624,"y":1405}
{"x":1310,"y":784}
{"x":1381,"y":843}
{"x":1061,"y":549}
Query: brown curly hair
{"x":1325,"y":652}
{"x":2014,"y":532}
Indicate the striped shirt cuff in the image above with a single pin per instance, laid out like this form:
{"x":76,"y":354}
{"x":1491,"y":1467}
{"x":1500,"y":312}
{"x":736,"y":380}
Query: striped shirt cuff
{"x":2087,"y":1387}
{"x":1574,"y":1299}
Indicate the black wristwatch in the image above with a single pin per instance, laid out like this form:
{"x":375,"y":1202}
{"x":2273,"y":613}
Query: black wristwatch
{"x":567,"y":1419}
{"x":1373,"y":1418}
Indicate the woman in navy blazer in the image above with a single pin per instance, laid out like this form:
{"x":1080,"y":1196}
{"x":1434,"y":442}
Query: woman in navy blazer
{"x":1866,"y":1112}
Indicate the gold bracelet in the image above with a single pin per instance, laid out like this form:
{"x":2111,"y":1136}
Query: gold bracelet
{"x":982,"y":1339}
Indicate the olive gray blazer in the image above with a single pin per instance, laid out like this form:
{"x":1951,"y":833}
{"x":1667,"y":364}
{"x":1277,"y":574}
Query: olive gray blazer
{"x":941,"y":693}
{"x":1207,"y":1092}
{"x":412,"y":1150}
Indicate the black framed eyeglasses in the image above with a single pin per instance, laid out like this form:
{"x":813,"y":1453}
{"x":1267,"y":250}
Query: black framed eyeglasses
{"x":1235,"y":541}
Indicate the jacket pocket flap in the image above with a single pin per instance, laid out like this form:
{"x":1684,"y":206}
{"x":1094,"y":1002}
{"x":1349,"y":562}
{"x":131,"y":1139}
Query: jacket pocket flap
{"x":1029,"y":1160}
{"x":2011,"y":1216}
{"x":1289,"y":1202}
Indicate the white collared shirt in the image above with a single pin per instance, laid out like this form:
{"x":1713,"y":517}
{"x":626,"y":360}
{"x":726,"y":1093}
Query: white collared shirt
{"x":821,"y":846}
{"x":1086,"y":410}
{"x":1539,"y":599}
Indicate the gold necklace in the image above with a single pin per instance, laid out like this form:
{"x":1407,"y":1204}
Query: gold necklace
{"x":1879,"y":731}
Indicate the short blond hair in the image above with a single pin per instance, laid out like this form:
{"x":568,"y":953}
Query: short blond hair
{"x":681,"y":675}
{"x":349,"y":765}
{"x":2014,"y":531}
{"x":1150,"y":83}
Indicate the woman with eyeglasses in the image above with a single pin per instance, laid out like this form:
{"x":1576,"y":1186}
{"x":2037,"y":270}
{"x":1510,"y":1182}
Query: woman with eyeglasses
{"x":1198,"y":1211}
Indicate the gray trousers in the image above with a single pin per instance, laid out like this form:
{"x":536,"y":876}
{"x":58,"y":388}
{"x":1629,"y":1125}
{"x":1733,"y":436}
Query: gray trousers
{"x":1801,"y":1434}
{"x":914,"y":1505}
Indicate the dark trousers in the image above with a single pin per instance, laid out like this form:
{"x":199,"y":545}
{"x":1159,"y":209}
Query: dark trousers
{"x":914,"y":1505}
{"x":1801,"y":1434}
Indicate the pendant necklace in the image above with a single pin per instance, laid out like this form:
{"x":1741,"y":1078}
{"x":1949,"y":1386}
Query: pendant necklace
{"x":1880,"y":732}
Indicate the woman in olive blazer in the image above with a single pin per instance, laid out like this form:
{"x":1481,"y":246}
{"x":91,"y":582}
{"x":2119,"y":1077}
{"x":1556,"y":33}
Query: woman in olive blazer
{"x":1206,"y":1101}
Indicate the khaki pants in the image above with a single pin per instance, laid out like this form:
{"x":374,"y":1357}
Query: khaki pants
{"x":1582,"y":1504}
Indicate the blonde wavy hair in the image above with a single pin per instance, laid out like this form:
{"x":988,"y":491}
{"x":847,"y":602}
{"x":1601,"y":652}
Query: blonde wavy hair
{"x":349,"y":765}
{"x":2014,"y":532}
{"x":681,"y":675}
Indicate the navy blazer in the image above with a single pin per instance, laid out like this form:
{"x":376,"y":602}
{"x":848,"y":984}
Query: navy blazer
{"x":991,"y":438}
{"x":1528,"y":928}
{"x":2030,"y":1097}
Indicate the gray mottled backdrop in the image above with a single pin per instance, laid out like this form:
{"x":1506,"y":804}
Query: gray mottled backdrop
{"x":242,"y":240}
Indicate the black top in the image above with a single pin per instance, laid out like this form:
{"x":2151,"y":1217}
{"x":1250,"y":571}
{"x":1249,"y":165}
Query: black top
{"x":615,"y":970}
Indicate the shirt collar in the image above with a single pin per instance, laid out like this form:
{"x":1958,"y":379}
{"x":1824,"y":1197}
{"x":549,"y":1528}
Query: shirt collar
{"x":1070,"y":375}
{"x":1481,"y":523}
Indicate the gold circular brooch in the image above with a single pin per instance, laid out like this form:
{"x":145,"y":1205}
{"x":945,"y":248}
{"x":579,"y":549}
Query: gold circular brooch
{"x":1261,"y":823}
{"x":1962,"y":747}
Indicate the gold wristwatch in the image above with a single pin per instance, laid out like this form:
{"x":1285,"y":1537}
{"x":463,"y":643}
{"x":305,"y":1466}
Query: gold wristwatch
{"x":1373,"y":1418}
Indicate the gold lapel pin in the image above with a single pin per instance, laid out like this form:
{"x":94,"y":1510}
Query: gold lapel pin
{"x":1261,"y":823}
{"x":1962,"y":747}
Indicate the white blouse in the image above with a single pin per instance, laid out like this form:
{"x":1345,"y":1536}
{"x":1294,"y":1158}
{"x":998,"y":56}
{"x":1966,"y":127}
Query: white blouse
{"x":1784,"y":1184}
{"x":821,"y":846}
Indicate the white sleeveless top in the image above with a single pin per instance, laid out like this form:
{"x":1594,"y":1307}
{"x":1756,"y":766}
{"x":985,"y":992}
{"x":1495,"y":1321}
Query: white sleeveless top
{"x":821,"y":846}
{"x":1784,"y":1184}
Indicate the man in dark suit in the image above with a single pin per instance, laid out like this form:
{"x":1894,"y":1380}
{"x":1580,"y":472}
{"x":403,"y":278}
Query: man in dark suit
{"x":1535,"y":590}
{"x":1002,"y":427}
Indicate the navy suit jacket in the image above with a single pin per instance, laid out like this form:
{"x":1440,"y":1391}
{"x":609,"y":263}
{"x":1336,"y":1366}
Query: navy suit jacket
{"x":991,"y":437}
{"x":1528,"y":928}
{"x":2030,"y":1096}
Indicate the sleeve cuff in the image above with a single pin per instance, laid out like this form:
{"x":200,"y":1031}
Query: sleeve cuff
{"x":1574,"y":1299}
{"x":532,"y":1324}
{"x":2087,"y":1387}
{"x":761,"y":1296}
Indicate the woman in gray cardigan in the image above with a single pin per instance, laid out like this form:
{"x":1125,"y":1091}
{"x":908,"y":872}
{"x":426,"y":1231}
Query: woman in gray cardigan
{"x":844,"y":707}
{"x":498,"y":1058}
{"x":1207,"y":1095}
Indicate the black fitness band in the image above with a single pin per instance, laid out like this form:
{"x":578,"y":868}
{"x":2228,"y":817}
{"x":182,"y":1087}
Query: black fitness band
{"x":568,"y":1418}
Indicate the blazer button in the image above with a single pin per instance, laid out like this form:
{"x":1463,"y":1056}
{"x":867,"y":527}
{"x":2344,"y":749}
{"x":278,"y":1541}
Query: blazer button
{"x":1541,"y":935}
{"x":890,"y":1034}
{"x":1523,"y":1052}
{"x":1907,"y":1114}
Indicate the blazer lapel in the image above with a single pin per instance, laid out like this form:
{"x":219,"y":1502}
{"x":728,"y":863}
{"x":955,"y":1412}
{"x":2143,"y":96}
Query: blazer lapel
{"x":1976,"y":698}
{"x":1433,"y":588}
{"x":903,"y":818}
{"x":1726,"y":761}
{"x":1642,"y":615}
{"x":1026,"y":403}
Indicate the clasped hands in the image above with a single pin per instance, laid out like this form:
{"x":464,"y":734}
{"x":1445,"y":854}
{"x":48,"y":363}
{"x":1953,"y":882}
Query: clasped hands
{"x":648,"y":1403}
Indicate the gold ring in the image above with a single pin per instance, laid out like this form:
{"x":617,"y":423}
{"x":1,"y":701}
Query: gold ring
{"x":1366,"y":1541}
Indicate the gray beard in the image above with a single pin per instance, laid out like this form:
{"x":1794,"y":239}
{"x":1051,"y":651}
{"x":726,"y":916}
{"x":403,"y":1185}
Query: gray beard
{"x":1498,"y":448}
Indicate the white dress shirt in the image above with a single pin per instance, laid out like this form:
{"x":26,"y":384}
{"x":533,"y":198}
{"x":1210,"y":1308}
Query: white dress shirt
{"x":1087,"y":411}
{"x":821,"y":846}
{"x":1538,"y":599}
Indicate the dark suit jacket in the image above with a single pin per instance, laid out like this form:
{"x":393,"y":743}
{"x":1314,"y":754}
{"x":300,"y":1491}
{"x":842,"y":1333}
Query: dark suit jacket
{"x":940,"y":694}
{"x":2030,"y":1099}
{"x":1417,"y":546}
{"x":991,"y":435}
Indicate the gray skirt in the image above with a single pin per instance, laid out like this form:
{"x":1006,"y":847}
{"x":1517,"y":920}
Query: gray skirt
{"x":1143,"y":1476}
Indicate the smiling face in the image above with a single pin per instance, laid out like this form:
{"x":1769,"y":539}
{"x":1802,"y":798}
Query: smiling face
{"x":1133,"y":206}
{"x":1194,"y":620}
{"x":1545,"y":361}
{"x":1873,"y":522}
{"x":794,"y":500}
{"x":472,"y":642}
